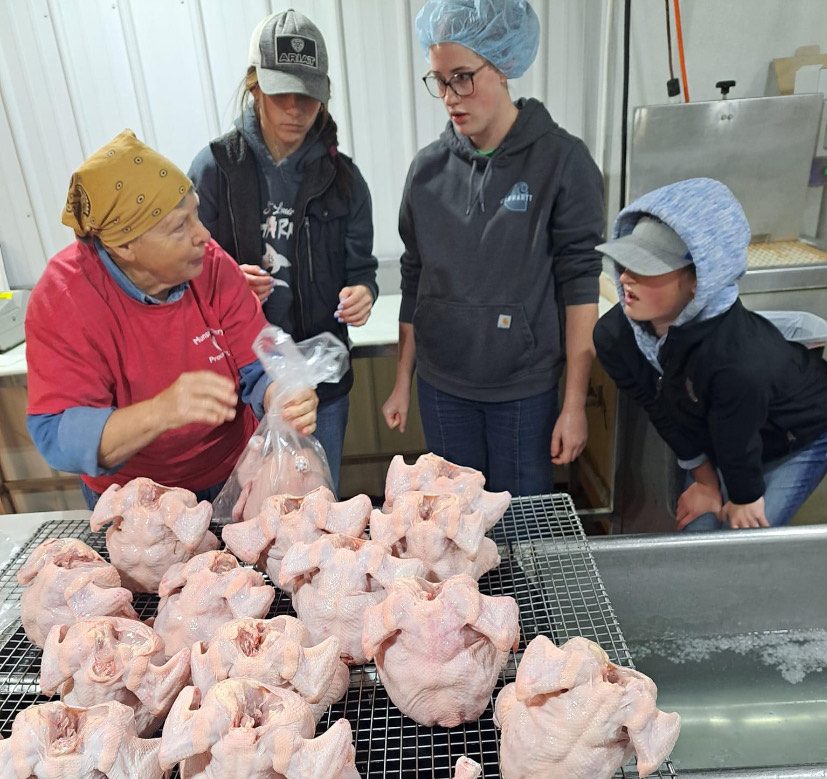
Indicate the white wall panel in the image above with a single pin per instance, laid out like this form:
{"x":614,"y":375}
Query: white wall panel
{"x":226,"y":31}
{"x":75,"y":72}
{"x":171,"y":69}
{"x":378,"y":43}
{"x":723,"y":40}
{"x":98,"y":74}
{"x":23,"y":255}
{"x":42,"y":123}
{"x":164,"y":37}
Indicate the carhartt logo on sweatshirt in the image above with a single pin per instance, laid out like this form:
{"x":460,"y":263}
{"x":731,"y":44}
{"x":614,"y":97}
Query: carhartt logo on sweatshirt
{"x":518,"y":197}
{"x":504,"y":321}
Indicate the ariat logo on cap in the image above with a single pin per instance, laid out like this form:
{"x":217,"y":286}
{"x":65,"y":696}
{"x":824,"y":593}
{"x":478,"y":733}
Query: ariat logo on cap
{"x":296,"y":50}
{"x":518,"y":197}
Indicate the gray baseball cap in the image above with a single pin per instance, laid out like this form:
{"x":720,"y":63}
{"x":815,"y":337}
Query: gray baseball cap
{"x":651,"y":249}
{"x":290,"y":55}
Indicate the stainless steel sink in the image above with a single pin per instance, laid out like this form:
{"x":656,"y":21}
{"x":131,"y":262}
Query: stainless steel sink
{"x":733,"y":629}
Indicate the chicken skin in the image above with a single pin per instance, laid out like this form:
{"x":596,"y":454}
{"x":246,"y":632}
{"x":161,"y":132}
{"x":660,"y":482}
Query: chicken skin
{"x":152,"y":527}
{"x":286,"y":519}
{"x":571,"y":714}
{"x":462,"y":637}
{"x":56,"y":741}
{"x":334,"y":580}
{"x":67,"y":581}
{"x":114,"y":659}
{"x":244,"y":728}
{"x":435,"y":475}
{"x":199,"y":596}
{"x":438,"y":530}
{"x":278,"y":652}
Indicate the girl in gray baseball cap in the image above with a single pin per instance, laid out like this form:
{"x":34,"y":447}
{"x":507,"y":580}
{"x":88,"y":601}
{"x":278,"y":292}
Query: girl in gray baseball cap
{"x":293,"y":211}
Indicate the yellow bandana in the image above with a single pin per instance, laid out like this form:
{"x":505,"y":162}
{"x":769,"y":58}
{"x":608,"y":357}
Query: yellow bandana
{"x":122,"y":190}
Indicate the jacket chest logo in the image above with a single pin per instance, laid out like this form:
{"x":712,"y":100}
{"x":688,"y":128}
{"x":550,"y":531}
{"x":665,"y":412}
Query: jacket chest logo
{"x":518,"y":197}
{"x":504,"y":321}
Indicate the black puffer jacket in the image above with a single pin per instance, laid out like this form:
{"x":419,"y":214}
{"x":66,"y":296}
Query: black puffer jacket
{"x":732,"y":388}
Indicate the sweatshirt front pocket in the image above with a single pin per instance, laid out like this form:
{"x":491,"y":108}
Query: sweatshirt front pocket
{"x":483,"y":345}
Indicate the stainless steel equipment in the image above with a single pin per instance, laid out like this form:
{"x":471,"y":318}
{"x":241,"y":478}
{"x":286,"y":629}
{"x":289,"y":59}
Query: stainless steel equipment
{"x":546,"y":566}
{"x":733,"y":628}
{"x":12,"y":315}
{"x":761,"y":148}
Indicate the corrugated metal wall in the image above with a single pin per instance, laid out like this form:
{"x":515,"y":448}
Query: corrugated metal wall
{"x":75,"y":72}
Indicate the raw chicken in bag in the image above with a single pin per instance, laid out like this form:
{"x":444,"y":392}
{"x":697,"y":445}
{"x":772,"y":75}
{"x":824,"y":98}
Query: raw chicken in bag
{"x":278,"y":460}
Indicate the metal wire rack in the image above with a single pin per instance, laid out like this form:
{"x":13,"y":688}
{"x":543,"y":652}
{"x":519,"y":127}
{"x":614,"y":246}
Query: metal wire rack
{"x":546,"y":566}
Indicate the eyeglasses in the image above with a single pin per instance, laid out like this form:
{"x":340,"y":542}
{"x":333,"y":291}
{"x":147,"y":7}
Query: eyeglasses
{"x":461,"y":84}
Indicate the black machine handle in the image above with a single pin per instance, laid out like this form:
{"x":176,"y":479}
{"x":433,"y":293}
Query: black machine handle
{"x":724,"y":86}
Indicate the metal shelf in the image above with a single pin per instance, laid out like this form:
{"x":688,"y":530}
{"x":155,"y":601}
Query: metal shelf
{"x":547,"y":566}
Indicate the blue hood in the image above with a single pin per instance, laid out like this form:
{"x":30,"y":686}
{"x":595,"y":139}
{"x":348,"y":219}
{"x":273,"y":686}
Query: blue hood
{"x":711,"y":222}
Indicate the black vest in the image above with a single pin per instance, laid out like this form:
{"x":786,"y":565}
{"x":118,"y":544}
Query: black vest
{"x":318,"y":262}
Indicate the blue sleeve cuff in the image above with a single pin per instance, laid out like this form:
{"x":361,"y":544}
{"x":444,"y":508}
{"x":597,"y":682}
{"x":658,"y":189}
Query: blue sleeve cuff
{"x":69,"y":441}
{"x":688,"y":465}
{"x":254,"y":383}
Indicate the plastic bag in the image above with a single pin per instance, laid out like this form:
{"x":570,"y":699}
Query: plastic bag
{"x":277,"y":459}
{"x":800,"y":327}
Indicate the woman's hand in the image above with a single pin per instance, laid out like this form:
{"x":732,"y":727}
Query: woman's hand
{"x":300,"y":411}
{"x":568,"y":439}
{"x":741,"y":515}
{"x":196,"y":397}
{"x":395,"y":408}
{"x":258,"y":280}
{"x":698,"y":499}
{"x":354,"y":306}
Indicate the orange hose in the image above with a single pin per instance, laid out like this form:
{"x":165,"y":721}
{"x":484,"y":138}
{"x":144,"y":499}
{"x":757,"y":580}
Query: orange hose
{"x":679,"y":36}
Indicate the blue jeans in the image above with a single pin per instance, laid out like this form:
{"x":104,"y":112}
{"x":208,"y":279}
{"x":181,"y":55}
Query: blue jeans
{"x":91,"y":497}
{"x":788,"y":483}
{"x":510,"y":442}
{"x":331,"y":421}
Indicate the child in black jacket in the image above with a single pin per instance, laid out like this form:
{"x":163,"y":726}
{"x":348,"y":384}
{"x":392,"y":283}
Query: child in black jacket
{"x":744,"y":410}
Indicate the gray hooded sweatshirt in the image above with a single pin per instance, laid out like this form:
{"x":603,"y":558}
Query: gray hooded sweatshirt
{"x":495,"y":248}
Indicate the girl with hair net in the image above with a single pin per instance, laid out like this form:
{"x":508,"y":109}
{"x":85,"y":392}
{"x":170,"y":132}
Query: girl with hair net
{"x":499,"y":219}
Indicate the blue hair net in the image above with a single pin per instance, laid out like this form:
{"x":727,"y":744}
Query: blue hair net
{"x":505,"y":32}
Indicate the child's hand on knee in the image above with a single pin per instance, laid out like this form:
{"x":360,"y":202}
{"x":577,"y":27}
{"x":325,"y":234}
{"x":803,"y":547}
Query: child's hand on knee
{"x":696,"y":500}
{"x":741,"y":515}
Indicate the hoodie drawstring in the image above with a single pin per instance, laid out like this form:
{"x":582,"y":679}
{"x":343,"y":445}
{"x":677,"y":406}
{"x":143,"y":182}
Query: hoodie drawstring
{"x":470,"y":186}
{"x":480,"y":189}
{"x":483,"y":181}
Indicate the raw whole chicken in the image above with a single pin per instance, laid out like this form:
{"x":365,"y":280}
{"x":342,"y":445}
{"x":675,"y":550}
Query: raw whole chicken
{"x":336,"y":578}
{"x":261,"y":475}
{"x":114,"y":659}
{"x":285,"y":519}
{"x":435,"y":475}
{"x":437,"y":530}
{"x":152,"y":528}
{"x":466,"y":768}
{"x":277,"y":652}
{"x":199,"y":596}
{"x":66,"y":581}
{"x":462,"y":638}
{"x":56,"y":741}
{"x":571,"y":714}
{"x":245,"y":728}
